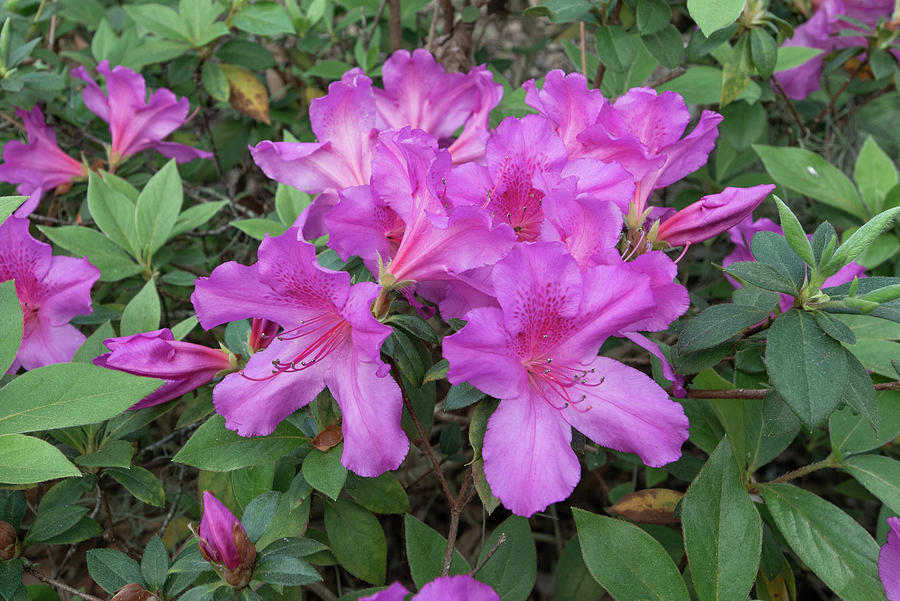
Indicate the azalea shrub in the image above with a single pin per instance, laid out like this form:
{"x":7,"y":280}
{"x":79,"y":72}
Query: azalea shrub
{"x":380,"y":301}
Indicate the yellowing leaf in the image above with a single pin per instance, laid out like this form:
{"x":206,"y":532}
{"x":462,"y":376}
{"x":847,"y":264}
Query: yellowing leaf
{"x":247,"y":93}
{"x":650,"y":506}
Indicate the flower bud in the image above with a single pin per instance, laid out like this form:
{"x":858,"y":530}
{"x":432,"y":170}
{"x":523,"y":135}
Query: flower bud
{"x":133,"y":592}
{"x":223,"y":541}
{"x":9,"y":542}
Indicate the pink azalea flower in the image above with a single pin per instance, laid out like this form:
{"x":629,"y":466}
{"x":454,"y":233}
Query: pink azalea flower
{"x":134,"y":122}
{"x":446,"y":588}
{"x":223,"y":541}
{"x":567,"y":101}
{"x":330,"y":338}
{"x":742,"y":235}
{"x":889,"y":561}
{"x":38,"y":165}
{"x":183,"y":365}
{"x":538,"y":354}
{"x":51,"y":290}
{"x":823,"y":31}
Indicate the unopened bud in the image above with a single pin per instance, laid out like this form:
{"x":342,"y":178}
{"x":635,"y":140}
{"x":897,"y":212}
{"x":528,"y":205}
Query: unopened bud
{"x":9,"y":542}
{"x":133,"y":592}
{"x":240,"y":576}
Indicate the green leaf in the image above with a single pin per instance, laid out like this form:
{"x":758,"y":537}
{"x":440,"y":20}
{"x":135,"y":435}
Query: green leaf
{"x":722,"y":530}
{"x":712,"y":15}
{"x":142,"y":312}
{"x":666,"y":45}
{"x":823,"y":242}
{"x":151,"y":51}
{"x":114,"y":453}
{"x":762,"y":276}
{"x":141,"y":483}
{"x":860,"y":240}
{"x":196,"y":216}
{"x":794,"y":56}
{"x":438,"y":371}
{"x":68,"y":394}
{"x":477,"y":429}
{"x":215,"y":82}
{"x":808,"y":173}
{"x":702,"y":84}
{"x":11,"y":324}
{"x":324,"y":472}
{"x":626,"y":561}
{"x":104,"y":254}
{"x":764,"y":50}
{"x":113,"y":213}
{"x":158,"y":19}
{"x":155,"y":564}
{"x":8,"y":204}
{"x":807,"y":367}
{"x":859,"y":392}
{"x":652,"y":15}
{"x":215,"y":448}
{"x":880,"y":475}
{"x":774,"y":250}
{"x":285,"y":570}
{"x":512,"y":569}
{"x":614,"y":47}
{"x":718,"y":324}
{"x":263,"y":18}
{"x":834,"y":327}
{"x":184,"y":327}
{"x":850,"y":432}
{"x":112,"y":569}
{"x":247,"y":54}
{"x":383,"y":494}
{"x":357,"y":540}
{"x":573,"y":581}
{"x":157,"y":209}
{"x":793,"y":232}
{"x":827,"y":540}
{"x":416,"y":326}
{"x":53,"y":521}
{"x":425,"y":549}
{"x":462,"y":395}
{"x":258,"y":514}
{"x":257,"y":228}
{"x":875,"y":174}
{"x":290,"y":202}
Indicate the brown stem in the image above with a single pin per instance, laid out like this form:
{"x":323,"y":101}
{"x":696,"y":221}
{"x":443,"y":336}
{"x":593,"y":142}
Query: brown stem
{"x":756,"y":393}
{"x":790,"y":103}
{"x":59,"y":585}
{"x":394,"y":25}
{"x":490,"y":554}
{"x":370,"y":32}
{"x":447,"y":11}
{"x":581,"y":32}
{"x":840,"y":91}
{"x":455,"y":510}
{"x":426,"y":445}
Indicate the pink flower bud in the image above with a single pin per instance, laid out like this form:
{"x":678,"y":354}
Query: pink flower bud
{"x":223,"y":541}
{"x":712,"y":215}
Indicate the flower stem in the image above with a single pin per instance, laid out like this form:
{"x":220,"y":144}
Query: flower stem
{"x":829,"y":461}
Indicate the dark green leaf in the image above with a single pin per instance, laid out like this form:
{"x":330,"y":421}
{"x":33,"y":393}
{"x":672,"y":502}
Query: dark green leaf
{"x":823,"y":242}
{"x":357,"y":540}
{"x":512,"y":569}
{"x":215,"y":82}
{"x":141,"y":483}
{"x":112,"y":569}
{"x":285,"y":570}
{"x":834,"y":327}
{"x":853,"y":433}
{"x":159,"y":19}
{"x":53,"y":521}
{"x":665,"y":45}
{"x":425,"y":550}
{"x":324,"y":472}
{"x":572,"y":581}
{"x":652,"y":15}
{"x":215,"y":448}
{"x":258,"y":514}
{"x":717,"y":324}
{"x":462,"y":395}
{"x":383,"y":494}
{"x":859,"y":392}
{"x":762,"y":276}
{"x":155,"y":564}
{"x":860,"y":240}
{"x":196,"y":216}
{"x":764,"y":50}
{"x":25,"y":459}
{"x":880,"y":475}
{"x":626,"y":561}
{"x":827,"y":540}
{"x":113,"y":212}
{"x":113,"y":453}
{"x":793,"y":231}
{"x":807,"y":367}
{"x":614,"y":47}
{"x":722,"y":530}
{"x":774,"y":250}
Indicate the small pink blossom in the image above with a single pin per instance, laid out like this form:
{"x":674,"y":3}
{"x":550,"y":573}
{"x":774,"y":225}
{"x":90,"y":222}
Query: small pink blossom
{"x":446,"y":588}
{"x":51,"y":290}
{"x":183,"y":365}
{"x":39,"y":165}
{"x":712,"y":215}
{"x":223,"y":541}
{"x":134,"y":122}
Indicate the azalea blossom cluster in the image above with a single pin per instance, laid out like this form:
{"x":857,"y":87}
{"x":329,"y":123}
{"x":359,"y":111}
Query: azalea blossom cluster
{"x":539,"y":234}
{"x":135,"y":124}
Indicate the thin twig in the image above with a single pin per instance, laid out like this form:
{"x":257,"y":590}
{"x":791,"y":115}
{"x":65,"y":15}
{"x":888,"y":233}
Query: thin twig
{"x":394,"y":25}
{"x":59,"y":585}
{"x":582,"y":34}
{"x":756,"y":393}
{"x":152,"y":447}
{"x":367,"y":34}
{"x":490,"y":554}
{"x":840,"y":91}
{"x":790,"y":103}
{"x":426,"y":446}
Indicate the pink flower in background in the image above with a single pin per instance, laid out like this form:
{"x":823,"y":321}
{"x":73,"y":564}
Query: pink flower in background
{"x":183,"y":365}
{"x":823,"y":30}
{"x":446,"y":588}
{"x":330,"y":338}
{"x":39,"y":165}
{"x":538,"y":354}
{"x":134,"y":122}
{"x":51,"y":290}
{"x":889,"y":561}
{"x":223,"y":541}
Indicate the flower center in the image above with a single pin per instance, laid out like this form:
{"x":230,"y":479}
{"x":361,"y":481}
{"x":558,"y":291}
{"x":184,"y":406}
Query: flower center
{"x":557,"y":383}
{"x":327,"y":332}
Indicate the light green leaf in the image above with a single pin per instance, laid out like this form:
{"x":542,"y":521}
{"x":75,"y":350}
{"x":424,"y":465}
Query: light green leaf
{"x":794,"y":234}
{"x":880,"y":475}
{"x":141,"y":483}
{"x":425,"y":549}
{"x":875,"y":174}
{"x":196,"y":216}
{"x":11,"y":324}
{"x":68,"y":394}
{"x":157,"y":209}
{"x":142,"y":313}
{"x":25,"y":459}
{"x":712,"y":15}
{"x":113,"y":213}
{"x":104,"y":254}
{"x":8,"y":204}
{"x":794,"y":56}
{"x":324,"y":472}
{"x":512,"y":569}
{"x":357,"y":540}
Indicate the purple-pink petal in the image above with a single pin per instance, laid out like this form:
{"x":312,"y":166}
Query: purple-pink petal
{"x":712,"y":215}
{"x":568,"y":102}
{"x":889,"y":561}
{"x":456,"y":588}
{"x":216,"y":532}
{"x":395,"y":592}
